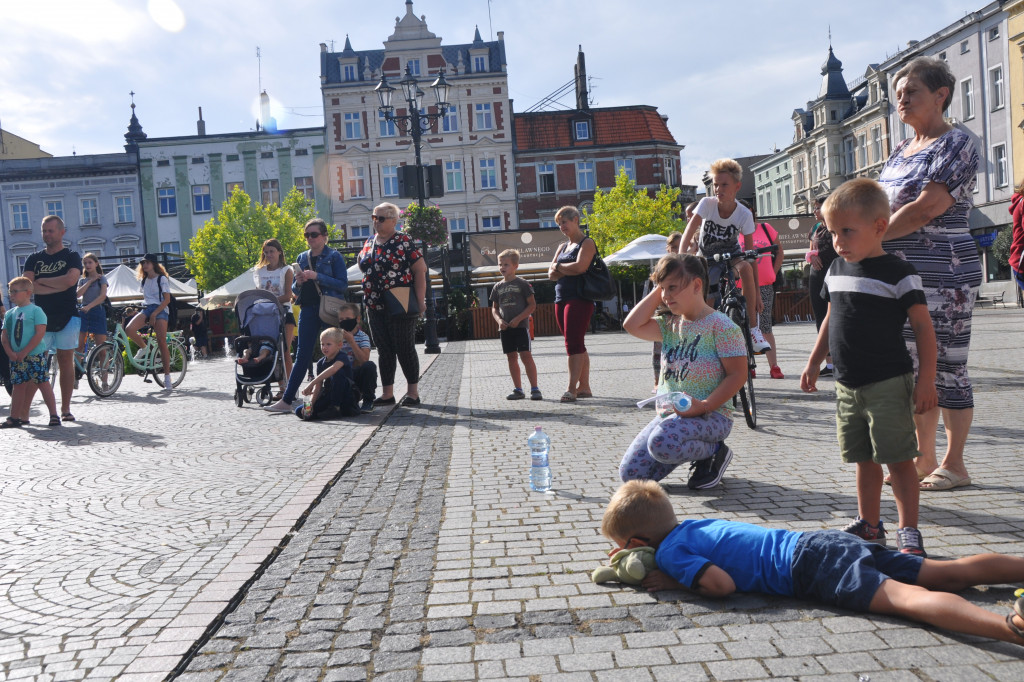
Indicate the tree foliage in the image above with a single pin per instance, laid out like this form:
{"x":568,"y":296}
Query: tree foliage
{"x":624,"y":213}
{"x":231,"y":243}
{"x":1001,"y":246}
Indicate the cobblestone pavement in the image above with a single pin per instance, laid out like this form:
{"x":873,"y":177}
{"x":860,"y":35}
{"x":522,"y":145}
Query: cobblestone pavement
{"x":430,"y":559}
{"x":123,"y":535}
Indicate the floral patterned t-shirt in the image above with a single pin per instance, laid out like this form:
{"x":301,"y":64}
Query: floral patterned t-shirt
{"x":386,"y":266}
{"x":691,"y":354}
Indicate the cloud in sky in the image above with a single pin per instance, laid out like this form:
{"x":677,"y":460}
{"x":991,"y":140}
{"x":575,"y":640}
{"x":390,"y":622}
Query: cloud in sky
{"x":728,"y":74}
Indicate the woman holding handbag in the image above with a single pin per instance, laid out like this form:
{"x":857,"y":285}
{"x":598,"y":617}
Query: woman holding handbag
{"x":572,"y":310}
{"x":321,"y":272}
{"x":395,"y":294}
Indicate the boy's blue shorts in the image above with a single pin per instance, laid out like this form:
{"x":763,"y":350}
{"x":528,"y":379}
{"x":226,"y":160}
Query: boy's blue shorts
{"x":30,"y":370}
{"x":840,"y":569}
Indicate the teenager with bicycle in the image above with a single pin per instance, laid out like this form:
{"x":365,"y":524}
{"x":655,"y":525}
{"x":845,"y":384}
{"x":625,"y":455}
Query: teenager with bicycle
{"x":717,"y":223}
{"x":703,"y":355}
{"x":156,"y":296}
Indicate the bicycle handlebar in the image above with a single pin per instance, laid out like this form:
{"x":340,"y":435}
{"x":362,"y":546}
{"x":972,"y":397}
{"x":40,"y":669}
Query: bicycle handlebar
{"x":752,"y":254}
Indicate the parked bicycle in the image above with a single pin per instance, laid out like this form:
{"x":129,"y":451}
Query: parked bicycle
{"x":50,"y":362}
{"x":732,"y":302}
{"x":105,"y":365}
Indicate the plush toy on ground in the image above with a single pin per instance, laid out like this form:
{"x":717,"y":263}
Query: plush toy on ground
{"x":628,"y":566}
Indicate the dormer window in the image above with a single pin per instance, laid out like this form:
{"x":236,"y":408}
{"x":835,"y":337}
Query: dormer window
{"x":582,"y":130}
{"x":414,"y":66}
{"x":350,"y":72}
{"x":479,"y":63}
{"x":833,"y":112}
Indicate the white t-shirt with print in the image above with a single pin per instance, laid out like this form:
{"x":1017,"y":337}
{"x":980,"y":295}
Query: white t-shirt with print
{"x":715,"y":229}
{"x":152,"y":291}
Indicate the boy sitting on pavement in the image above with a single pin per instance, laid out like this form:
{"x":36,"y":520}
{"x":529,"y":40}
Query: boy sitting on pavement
{"x":332,"y":393}
{"x":870,"y":296}
{"x":356,"y":346}
{"x":512,"y":303}
{"x":715,"y":558}
{"x":22,"y":339}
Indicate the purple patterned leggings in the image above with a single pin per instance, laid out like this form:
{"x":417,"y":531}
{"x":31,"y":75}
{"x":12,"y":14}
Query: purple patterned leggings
{"x":667,"y":442}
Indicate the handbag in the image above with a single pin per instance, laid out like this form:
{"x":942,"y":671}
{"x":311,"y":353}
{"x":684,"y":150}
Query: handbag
{"x":329,"y":307}
{"x":597,"y":281}
{"x":400,"y":301}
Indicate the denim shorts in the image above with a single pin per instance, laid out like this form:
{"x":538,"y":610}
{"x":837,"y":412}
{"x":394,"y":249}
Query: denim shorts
{"x":148,"y":310}
{"x":29,"y":370}
{"x":66,"y":338}
{"x":94,"y":321}
{"x":840,"y":569}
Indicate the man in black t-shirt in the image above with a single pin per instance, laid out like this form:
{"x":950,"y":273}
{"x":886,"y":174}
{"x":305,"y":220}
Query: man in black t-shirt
{"x":54,"y":272}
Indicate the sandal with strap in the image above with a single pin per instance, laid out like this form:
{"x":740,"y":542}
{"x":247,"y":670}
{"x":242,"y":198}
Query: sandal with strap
{"x":1018,"y":610}
{"x":11,"y":423}
{"x":568,"y":397}
{"x":54,"y":420}
{"x":68,"y":417}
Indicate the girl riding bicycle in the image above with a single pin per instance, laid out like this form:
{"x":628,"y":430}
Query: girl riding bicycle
{"x":92,"y":289}
{"x":703,"y":355}
{"x":156,"y":296}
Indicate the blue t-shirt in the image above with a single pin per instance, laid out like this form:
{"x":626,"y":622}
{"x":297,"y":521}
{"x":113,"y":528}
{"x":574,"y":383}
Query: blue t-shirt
{"x":20,"y":323}
{"x":361,"y":339}
{"x":757,"y":559}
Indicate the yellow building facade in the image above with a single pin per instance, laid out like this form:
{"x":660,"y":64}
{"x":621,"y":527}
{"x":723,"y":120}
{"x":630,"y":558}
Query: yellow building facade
{"x":1015,"y":35}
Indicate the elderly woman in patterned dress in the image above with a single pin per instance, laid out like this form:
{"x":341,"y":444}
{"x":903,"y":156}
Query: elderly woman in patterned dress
{"x":930,"y":180}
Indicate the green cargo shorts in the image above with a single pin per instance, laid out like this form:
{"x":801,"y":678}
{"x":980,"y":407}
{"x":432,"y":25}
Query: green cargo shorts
{"x":876,"y":421}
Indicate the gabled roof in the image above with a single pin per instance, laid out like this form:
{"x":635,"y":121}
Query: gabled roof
{"x":612,"y":126}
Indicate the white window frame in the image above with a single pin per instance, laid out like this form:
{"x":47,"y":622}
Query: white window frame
{"x":586,"y":177}
{"x":993,"y":33}
{"x":453,"y":180}
{"x":357,"y":183}
{"x":202,"y":202}
{"x":480,"y":63}
{"x":84,"y":212}
{"x":823,"y":161}
{"x":54,"y":207}
{"x":386,"y":127}
{"x":389,"y":181}
{"x":413,"y":66}
{"x":876,"y":144}
{"x":353,"y":121}
{"x":350,"y":73}
{"x":484,"y":117}
{"x":967,"y":98}
{"x":304,"y":183}
{"x":124,"y":209}
{"x":270,"y":192}
{"x":669,"y":166}
{"x":450,"y":122}
{"x":850,"y":154}
{"x":359,"y":232}
{"x":229,"y":188}
{"x":170,"y":247}
{"x":799,"y":174}
{"x":995,"y":79}
{"x":546,"y":170}
{"x":862,"y":150}
{"x":166,"y":197}
{"x":486,"y":223}
{"x":789,"y":196}
{"x":20,"y":213}
{"x":1001,"y":176}
{"x":488,"y":173}
{"x":582,"y":130}
{"x":457,"y":224}
{"x":628,"y":165}
{"x":965,"y":46}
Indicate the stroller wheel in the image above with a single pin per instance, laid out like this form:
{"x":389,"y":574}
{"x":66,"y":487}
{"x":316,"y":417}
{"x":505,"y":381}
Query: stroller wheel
{"x":247,"y":393}
{"x":263,"y":396}
{"x":239,"y":395}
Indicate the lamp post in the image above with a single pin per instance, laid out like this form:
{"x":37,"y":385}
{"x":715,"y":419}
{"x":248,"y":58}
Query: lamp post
{"x":413,"y":124}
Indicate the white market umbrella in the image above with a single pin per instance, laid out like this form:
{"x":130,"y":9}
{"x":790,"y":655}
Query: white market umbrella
{"x":224,"y":296}
{"x":649,"y":247}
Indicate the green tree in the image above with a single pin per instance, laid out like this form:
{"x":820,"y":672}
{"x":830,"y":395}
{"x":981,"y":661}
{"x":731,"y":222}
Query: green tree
{"x":231,"y":243}
{"x":1001,"y":246}
{"x":624,"y":213}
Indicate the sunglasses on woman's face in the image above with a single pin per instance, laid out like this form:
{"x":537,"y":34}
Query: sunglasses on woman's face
{"x":313,"y":235}
{"x":381,"y":218}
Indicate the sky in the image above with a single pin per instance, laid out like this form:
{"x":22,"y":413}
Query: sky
{"x":728,"y":74}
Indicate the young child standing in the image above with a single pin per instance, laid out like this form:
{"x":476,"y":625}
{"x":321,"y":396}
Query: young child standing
{"x":870,"y":296}
{"x":355,"y":345}
{"x":717,"y":223}
{"x":716,"y":558}
{"x":22,"y":338}
{"x":331,"y":389}
{"x":704,"y":356}
{"x":512,"y":303}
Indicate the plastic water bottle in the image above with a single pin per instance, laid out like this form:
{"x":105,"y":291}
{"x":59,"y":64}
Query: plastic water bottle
{"x":540,"y":469}
{"x":676,"y":400}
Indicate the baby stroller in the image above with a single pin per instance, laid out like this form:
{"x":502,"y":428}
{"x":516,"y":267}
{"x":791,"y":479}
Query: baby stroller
{"x":261,"y":317}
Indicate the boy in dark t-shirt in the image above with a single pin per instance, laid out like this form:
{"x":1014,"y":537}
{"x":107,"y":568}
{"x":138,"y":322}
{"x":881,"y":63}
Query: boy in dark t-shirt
{"x":870,"y":296}
{"x":512,"y":303}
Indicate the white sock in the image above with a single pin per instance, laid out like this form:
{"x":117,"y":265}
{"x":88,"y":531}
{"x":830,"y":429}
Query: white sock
{"x":167,"y":380}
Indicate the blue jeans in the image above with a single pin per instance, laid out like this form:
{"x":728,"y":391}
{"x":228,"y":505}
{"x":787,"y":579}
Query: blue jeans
{"x":308,"y":335}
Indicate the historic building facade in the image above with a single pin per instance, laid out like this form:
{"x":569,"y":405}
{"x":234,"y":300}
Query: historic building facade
{"x":562,"y":157}
{"x":471,"y":145}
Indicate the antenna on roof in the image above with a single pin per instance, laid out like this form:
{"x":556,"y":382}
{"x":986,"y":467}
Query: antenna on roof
{"x":259,"y":69}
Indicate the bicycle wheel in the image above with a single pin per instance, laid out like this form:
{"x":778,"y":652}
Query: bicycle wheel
{"x":179,"y":364}
{"x":104,"y":368}
{"x":52,"y":368}
{"x":747,"y":399}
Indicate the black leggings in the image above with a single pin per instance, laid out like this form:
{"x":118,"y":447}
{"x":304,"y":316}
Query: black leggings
{"x":395,"y":338}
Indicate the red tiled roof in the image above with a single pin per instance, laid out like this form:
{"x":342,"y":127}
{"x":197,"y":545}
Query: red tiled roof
{"x":612,"y":126}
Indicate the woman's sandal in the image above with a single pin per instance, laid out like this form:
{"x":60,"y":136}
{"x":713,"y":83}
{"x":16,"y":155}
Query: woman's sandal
{"x":68,"y":417}
{"x":1018,"y":610}
{"x":568,"y":397}
{"x":54,"y":420}
{"x":888,"y":478}
{"x":11,"y":423}
{"x":584,"y":394}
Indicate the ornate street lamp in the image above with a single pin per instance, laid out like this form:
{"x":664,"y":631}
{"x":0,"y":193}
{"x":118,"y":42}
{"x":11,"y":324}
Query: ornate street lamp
{"x":413,"y":124}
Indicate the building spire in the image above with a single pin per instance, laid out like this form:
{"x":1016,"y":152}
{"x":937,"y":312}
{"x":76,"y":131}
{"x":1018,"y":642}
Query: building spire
{"x":134,"y":134}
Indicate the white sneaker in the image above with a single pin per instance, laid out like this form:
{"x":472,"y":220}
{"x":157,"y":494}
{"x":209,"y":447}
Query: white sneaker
{"x":167,"y":383}
{"x":279,"y":406}
{"x":758,"y":341}
{"x":140,"y":355}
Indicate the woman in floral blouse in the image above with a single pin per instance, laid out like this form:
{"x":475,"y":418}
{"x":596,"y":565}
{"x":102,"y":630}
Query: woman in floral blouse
{"x":389,"y":260}
{"x":930,"y":179}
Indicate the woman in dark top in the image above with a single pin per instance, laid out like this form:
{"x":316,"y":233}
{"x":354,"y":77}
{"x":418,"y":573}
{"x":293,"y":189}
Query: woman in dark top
{"x":572,"y":311}
{"x":321,"y":270}
{"x":820,"y":256}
